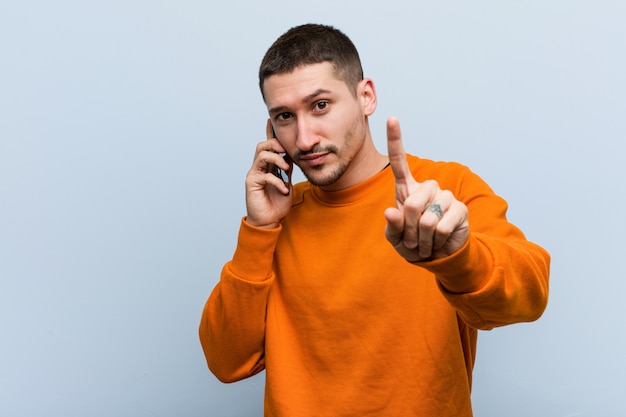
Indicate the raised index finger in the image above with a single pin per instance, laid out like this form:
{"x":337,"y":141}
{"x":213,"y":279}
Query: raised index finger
{"x":395,"y":151}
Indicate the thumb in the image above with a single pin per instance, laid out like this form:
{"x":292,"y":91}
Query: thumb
{"x":394,"y":230}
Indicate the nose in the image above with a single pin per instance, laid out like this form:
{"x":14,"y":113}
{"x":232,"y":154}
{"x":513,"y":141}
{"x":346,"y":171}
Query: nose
{"x":307,"y":137}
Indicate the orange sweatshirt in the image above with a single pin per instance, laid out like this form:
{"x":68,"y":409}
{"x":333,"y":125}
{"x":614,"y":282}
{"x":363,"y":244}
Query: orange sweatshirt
{"x":344,"y":326}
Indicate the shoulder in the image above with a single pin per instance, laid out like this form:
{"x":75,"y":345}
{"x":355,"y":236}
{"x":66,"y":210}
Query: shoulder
{"x":424,"y":169}
{"x":453,"y":176}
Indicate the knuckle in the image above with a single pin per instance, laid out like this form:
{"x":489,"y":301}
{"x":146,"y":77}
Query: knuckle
{"x":431,"y":185}
{"x":459,"y":208}
{"x":411,"y":205}
{"x":260,"y":147}
{"x":444,"y":230}
{"x":428,"y":222}
{"x":447,"y":195}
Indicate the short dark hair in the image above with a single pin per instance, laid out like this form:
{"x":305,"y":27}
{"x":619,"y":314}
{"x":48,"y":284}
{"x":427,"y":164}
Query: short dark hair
{"x":313,"y":44}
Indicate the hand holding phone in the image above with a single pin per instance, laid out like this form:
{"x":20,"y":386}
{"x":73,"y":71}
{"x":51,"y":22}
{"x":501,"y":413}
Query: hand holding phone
{"x":268,"y":199}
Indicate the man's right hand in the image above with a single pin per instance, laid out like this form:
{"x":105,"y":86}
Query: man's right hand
{"x":268,"y":198}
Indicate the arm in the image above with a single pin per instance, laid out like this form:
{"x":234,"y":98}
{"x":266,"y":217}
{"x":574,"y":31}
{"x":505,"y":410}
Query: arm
{"x":492,"y":275}
{"x":498,"y":277}
{"x":232,"y":327}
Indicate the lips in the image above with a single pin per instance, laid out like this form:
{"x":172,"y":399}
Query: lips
{"x":314,"y":159}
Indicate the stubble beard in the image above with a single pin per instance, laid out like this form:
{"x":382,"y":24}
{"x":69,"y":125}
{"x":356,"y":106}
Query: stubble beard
{"x":342,"y":165}
{"x":336,"y":172}
{"x":329,"y":178}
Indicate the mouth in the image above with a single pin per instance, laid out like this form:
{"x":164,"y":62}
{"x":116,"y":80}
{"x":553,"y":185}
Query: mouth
{"x":314,"y":159}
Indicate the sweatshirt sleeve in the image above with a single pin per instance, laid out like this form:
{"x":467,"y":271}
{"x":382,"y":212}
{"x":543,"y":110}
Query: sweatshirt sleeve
{"x":498,"y":277}
{"x":232,"y":326}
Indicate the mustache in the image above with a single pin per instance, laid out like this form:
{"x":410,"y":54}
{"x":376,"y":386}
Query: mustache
{"x":316,"y":149}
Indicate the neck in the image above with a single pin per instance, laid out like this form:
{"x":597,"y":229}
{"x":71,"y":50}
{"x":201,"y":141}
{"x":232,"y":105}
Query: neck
{"x":367,"y":163}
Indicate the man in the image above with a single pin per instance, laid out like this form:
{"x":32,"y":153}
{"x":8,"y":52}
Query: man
{"x":361,"y":290}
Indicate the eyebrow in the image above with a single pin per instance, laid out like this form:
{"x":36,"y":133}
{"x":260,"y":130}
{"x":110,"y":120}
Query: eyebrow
{"x":306,"y":99}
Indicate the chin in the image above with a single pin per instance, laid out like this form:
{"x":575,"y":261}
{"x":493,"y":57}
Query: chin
{"x":325,"y":177}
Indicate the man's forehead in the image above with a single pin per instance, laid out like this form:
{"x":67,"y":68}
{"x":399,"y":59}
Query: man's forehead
{"x":302,"y":84}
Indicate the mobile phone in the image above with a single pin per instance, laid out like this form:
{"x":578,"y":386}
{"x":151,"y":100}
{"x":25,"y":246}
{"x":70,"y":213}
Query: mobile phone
{"x":278,"y":172}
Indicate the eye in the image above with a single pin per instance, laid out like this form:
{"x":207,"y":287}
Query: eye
{"x":321,"y":105}
{"x":284,"y":116}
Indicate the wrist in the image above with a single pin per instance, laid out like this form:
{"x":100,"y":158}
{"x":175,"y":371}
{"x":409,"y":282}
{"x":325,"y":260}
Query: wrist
{"x":260,"y":225}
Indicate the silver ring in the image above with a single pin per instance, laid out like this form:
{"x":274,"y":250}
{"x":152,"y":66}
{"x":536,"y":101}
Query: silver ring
{"x":435,"y":208}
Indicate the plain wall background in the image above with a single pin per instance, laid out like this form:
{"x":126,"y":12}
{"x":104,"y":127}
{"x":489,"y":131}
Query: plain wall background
{"x":126,"y":130}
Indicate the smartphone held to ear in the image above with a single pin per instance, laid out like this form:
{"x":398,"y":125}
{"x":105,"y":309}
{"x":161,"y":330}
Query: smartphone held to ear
{"x":281,"y":173}
{"x":278,"y":172}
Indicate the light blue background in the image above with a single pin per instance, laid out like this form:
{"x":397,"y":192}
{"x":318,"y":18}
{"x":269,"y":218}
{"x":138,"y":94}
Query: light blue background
{"x":126,"y":130}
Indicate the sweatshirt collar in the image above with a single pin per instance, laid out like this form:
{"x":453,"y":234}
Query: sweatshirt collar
{"x":382,"y":182}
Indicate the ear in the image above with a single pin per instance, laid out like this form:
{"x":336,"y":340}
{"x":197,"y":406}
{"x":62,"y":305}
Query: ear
{"x":367,"y":94}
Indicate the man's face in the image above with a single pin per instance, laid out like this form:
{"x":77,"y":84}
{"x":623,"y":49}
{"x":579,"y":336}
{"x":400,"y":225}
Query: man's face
{"x":319,"y":122}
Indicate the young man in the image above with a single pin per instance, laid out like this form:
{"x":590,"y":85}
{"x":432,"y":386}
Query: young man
{"x":361,"y":290}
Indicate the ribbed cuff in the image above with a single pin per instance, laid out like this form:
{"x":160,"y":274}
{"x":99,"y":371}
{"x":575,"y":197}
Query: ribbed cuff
{"x":465,"y":271}
{"x":254,"y":254}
